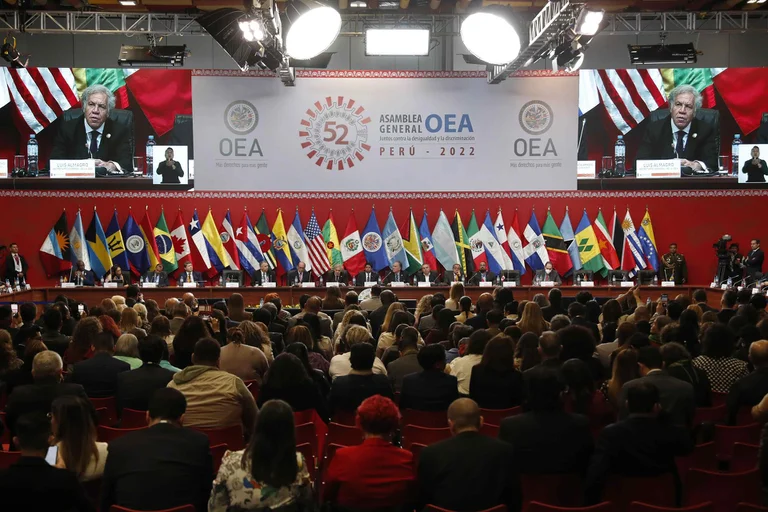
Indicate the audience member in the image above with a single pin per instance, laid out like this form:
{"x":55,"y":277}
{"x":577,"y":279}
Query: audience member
{"x":312,"y":305}
{"x":728,"y":306}
{"x":52,"y":337}
{"x":624,"y":370}
{"x":136,"y":387}
{"x":431,"y":389}
{"x":578,"y":343}
{"x":237,"y":358}
{"x":179,"y":313}
{"x":678,"y":363}
{"x":340,"y":364}
{"x":527,"y":353}
{"x":465,"y":308}
{"x":98,"y":375}
{"x":482,"y":307}
{"x":321,"y":380}
{"x":301,"y":334}
{"x":722,"y":369}
{"x":494,"y":382}
{"x":332,"y":299}
{"x":555,"y":305}
{"x":750,"y":390}
{"x":549,"y":353}
{"x":236,"y":305}
{"x":287,"y":380}
{"x":454,"y":295}
{"x":9,"y":362}
{"x":192,"y":330}
{"x":408,"y":362}
{"x":349,"y":391}
{"x":23,"y":375}
{"x":127,"y":350}
{"x":85,"y":334}
{"x":74,"y":431}
{"x":387,"y":336}
{"x":605,"y":350}
{"x":374,"y":301}
{"x":461,"y":367}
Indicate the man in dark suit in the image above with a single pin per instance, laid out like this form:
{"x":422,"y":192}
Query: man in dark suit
{"x":749,"y":391}
{"x":700,"y":299}
{"x":367,"y":276}
{"x":754,"y":262}
{"x":98,"y":375}
{"x":681,"y":135}
{"x":456,"y":275}
{"x":37,"y":397}
{"x":52,"y":336}
{"x":31,"y":483}
{"x":677,"y":398}
{"x":548,"y":273}
{"x":173,"y":466}
{"x":299,"y":275}
{"x":349,"y":391}
{"x":470,"y":471}
{"x":728,"y":310}
{"x":397,"y":275}
{"x":157,"y":276}
{"x":82,"y":277}
{"x":483,"y":305}
{"x":642,"y":445}
{"x":426,"y":275}
{"x":482,"y":275}
{"x":15,"y":265}
{"x":190,"y":276}
{"x":377,"y":316}
{"x":264,"y":275}
{"x":431,"y":389}
{"x":546,"y":439}
{"x":95,"y":135}
{"x":555,"y":305}
{"x":136,"y":387}
{"x":337,"y":275}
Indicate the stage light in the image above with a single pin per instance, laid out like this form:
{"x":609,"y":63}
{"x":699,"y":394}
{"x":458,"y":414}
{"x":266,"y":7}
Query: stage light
{"x":399,"y":41}
{"x":588,"y":23}
{"x":312,"y":29}
{"x":490,"y":37}
{"x":358,"y":4}
{"x":253,"y":29}
{"x":575,"y":63}
{"x":128,"y":3}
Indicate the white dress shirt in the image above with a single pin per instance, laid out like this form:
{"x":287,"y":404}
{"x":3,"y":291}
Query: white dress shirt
{"x":17,"y":262}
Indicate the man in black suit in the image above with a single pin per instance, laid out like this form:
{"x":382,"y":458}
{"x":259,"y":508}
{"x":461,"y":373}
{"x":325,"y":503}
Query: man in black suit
{"x":681,"y":135}
{"x":264,"y":275}
{"x":555,"y":305}
{"x":483,"y":305}
{"x":431,"y":389}
{"x":299,"y":275}
{"x":15,"y":265}
{"x":52,"y":336}
{"x":337,"y":275}
{"x":548,"y":273}
{"x":31,"y":483}
{"x":136,"y":387}
{"x":95,"y":135}
{"x":132,"y":295}
{"x":366,"y":276}
{"x":163,"y":466}
{"x":546,"y":439}
{"x":397,"y":275}
{"x":470,"y":471}
{"x":456,"y":275}
{"x":754,"y":262}
{"x":157,"y":276}
{"x":37,"y":397}
{"x":98,"y":375}
{"x":426,"y":275}
{"x":482,"y":275}
{"x":82,"y":277}
{"x":190,"y":276}
{"x":728,"y":310}
{"x":377,"y":316}
{"x":700,"y":299}
{"x":642,"y":445}
{"x":749,"y":391}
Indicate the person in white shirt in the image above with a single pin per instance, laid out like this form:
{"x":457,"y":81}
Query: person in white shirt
{"x":461,"y":367}
{"x":340,"y":364}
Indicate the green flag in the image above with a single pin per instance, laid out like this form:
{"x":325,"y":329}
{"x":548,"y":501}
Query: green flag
{"x":332,"y":246}
{"x":412,"y":245}
{"x":264,"y":238}
{"x":475,"y":242}
{"x":556,"y":248}
{"x":461,"y":240}
{"x":165,"y":245}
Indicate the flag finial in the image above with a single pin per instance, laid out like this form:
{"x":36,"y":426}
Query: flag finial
{"x":566,"y":208}
{"x":146,"y":208}
{"x":94,"y":207}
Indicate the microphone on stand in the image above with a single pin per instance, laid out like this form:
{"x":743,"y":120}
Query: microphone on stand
{"x":386,"y":276}
{"x":581,"y":135}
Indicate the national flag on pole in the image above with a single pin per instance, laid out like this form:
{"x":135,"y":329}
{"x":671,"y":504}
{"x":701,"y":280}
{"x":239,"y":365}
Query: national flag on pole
{"x":116,"y":244}
{"x":98,"y":250}
{"x":462,"y":245}
{"x":55,"y":251}
{"x":630,"y":95}
{"x":557,"y":251}
{"x":181,"y":246}
{"x":280,"y":245}
{"x":264,"y":237}
{"x":648,"y":241}
{"x":536,"y":251}
{"x":494,"y":253}
{"x":566,"y":229}
{"x":41,"y":95}
{"x":164,"y":243}
{"x":248,"y":246}
{"x":297,"y":241}
{"x":605,"y":241}
{"x":227,"y":235}
{"x":617,"y":238}
{"x":111,"y":78}
{"x":212,"y":238}
{"x":5,"y":96}
{"x":427,"y":247}
{"x":136,"y":246}
{"x":318,"y":255}
{"x":148,"y":232}
{"x":500,"y":232}
{"x":331,"y":238}
{"x":352,"y":247}
{"x":743,"y":92}
{"x":199,"y":247}
{"x":373,"y":244}
{"x":516,"y":245}
{"x":633,"y":250}
{"x":78,"y":243}
{"x":589,"y":250}
{"x":162,"y":95}
{"x":412,"y":245}
{"x":393,"y":243}
{"x":445,"y":245}
{"x":475,"y":242}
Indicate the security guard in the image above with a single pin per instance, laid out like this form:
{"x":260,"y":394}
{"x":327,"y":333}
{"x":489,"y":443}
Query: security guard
{"x":675,"y":268}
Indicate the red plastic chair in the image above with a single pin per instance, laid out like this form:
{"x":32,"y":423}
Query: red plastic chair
{"x":429,"y":419}
{"x":490,"y":430}
{"x":183,"y":508}
{"x":726,"y":436}
{"x":107,"y":434}
{"x":494,"y":416}
{"x":8,"y":458}
{"x":102,"y":417}
{"x":535,"y":506}
{"x":562,"y":490}
{"x":343,"y":435}
{"x":131,"y":418}
{"x":344,"y":418}
{"x":230,"y":436}
{"x":109,"y":404}
{"x":710,"y":414}
{"x":724,"y":490}
{"x":217,"y":453}
{"x":309,"y":458}
{"x":415,"y":449}
{"x":746,"y":507}
{"x":330,"y":451}
{"x":744,"y":457}
{"x":253,"y":387}
{"x":306,"y":433}
{"x":704,"y":456}
{"x":636,"y":506}
{"x":744,"y":416}
{"x":656,"y":490}
{"x":422,"y":435}
{"x":5,"y":439}
{"x":435,"y":508}
{"x":302,"y":417}
{"x":718,"y":398}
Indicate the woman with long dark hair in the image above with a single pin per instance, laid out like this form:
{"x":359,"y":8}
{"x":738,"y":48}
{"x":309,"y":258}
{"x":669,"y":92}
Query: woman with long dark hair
{"x":191,"y":331}
{"x":287,"y":380}
{"x":318,"y":377}
{"x":495,"y":383}
{"x":269,"y":473}
{"x":74,"y":429}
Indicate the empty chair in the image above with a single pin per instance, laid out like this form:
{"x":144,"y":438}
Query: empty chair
{"x":131,"y":418}
{"x":217,"y":453}
{"x":535,"y":506}
{"x":563,"y":490}
{"x":655,"y":490}
{"x":710,"y":414}
{"x":636,"y":506}
{"x":744,"y":457}
{"x":429,"y":419}
{"x":494,"y":416}
{"x":344,"y":435}
{"x":703,"y":456}
{"x":110,"y":405}
{"x":726,"y":436}
{"x":724,"y":490}
{"x":185,"y":508}
{"x":305,"y":416}
{"x":423,"y":435}
{"x":344,"y":418}
{"x":8,"y":458}
{"x":107,"y":434}
{"x":231,"y":436}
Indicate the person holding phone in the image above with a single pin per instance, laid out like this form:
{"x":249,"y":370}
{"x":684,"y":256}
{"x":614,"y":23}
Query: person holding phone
{"x":755,"y":168}
{"x":170,"y":169}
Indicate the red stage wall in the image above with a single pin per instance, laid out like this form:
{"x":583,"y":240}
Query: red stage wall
{"x":693,"y":219}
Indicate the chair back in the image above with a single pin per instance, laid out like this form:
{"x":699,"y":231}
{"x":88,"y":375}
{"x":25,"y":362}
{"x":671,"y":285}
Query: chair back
{"x":704,"y":456}
{"x":655,"y":490}
{"x":343,"y":435}
{"x":415,"y":449}
{"x":107,"y":434}
{"x":183,"y":508}
{"x":718,"y":398}
{"x":726,"y":436}
{"x":344,"y":418}
{"x":423,"y":435}
{"x":747,"y":507}
{"x":490,"y":430}
{"x":131,"y":418}
{"x":217,"y":453}
{"x":435,"y":508}
{"x":636,"y":506}
{"x":5,"y":437}
{"x":710,"y":414}
{"x":562,"y":490}
{"x":231,"y":436}
{"x":429,"y":419}
{"x":494,"y":416}
{"x":306,"y":433}
{"x":253,"y":387}
{"x":724,"y":490}
{"x":302,"y":417}
{"x":8,"y":458}
{"x":744,"y":457}
{"x":108,"y":403}
{"x":606,"y":506}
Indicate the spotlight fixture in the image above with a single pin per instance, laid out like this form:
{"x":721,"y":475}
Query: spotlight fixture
{"x":490,"y":35}
{"x":358,"y":4}
{"x":588,"y":22}
{"x":253,"y":29}
{"x":127,"y":3}
{"x":312,"y":28}
{"x":10,"y":54}
{"x":756,"y":1}
{"x":396,"y":41}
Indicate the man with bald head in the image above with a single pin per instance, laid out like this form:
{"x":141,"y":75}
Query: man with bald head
{"x":169,"y":305}
{"x":750,"y":390}
{"x":190,"y":300}
{"x":313,"y":305}
{"x":549,"y":351}
{"x":470,"y":471}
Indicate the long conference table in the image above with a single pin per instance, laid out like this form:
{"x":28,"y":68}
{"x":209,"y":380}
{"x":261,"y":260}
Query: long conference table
{"x":289,"y":295}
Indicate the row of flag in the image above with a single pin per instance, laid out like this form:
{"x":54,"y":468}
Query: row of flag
{"x":212,"y":247}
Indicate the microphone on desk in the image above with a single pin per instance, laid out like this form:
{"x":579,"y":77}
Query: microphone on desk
{"x":386,"y":276}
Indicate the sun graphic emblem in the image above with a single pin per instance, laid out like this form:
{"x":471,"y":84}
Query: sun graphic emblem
{"x":334,"y":133}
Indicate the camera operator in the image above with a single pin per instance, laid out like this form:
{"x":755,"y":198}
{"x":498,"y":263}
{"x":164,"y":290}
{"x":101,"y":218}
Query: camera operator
{"x":723,"y":258}
{"x":735,"y":263}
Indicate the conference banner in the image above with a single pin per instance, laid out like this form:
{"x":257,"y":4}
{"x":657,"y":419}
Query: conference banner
{"x":385,"y":131}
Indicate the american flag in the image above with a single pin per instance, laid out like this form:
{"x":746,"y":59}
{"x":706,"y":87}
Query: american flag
{"x":41,"y":94}
{"x":629,"y":95}
{"x":318,"y":256}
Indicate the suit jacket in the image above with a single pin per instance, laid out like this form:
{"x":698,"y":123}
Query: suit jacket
{"x":391,"y":277}
{"x":747,"y":392}
{"x":257,"y":281}
{"x":548,"y":442}
{"x":37,"y":398}
{"x":135,"y":388}
{"x":657,"y":143}
{"x":449,"y":277}
{"x":677,"y":397}
{"x":10,"y":267}
{"x":147,"y":482}
{"x":55,"y":341}
{"x":349,"y":391}
{"x":360,"y":278}
{"x":376,"y":317}
{"x":477,"y":277}
{"x":477,"y":322}
{"x":89,"y":277}
{"x":468,"y":472}
{"x":550,"y":311}
{"x":696,"y":377}
{"x":754,"y":261}
{"x":197,"y":277}
{"x":725,"y":315}
{"x":292,"y":277}
{"x":401,"y":367}
{"x":98,"y":375}
{"x":161,"y":279}
{"x":553,"y":276}
{"x":495,"y":390}
{"x":429,"y":391}
{"x":432,"y":278}
{"x":71,"y":143}
{"x":32,"y":484}
{"x":343,"y":278}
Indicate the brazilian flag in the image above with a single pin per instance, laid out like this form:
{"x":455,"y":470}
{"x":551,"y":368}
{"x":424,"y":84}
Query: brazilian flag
{"x":165,"y":245}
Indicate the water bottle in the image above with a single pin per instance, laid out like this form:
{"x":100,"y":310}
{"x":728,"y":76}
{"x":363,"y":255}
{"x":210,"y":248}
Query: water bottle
{"x":655,"y":281}
{"x":149,"y":159}
{"x":730,"y":282}
{"x":221,"y":280}
{"x":32,"y":156}
{"x":735,"y":154}
{"x":619,"y":152}
{"x":143,"y":280}
{"x":578,"y":279}
{"x":61,"y":281}
{"x":261,"y":302}
{"x":320,"y":281}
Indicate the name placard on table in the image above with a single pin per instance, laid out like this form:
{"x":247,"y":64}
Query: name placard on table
{"x":231,"y":285}
{"x":268,"y":285}
{"x":368,"y":284}
{"x":189,"y":285}
{"x":424,"y":284}
{"x":627,"y":284}
{"x":110,"y":285}
{"x":149,"y":284}
{"x":547,"y":284}
{"x":397,"y":284}
{"x":585,"y":170}
{"x":332,"y":284}
{"x":485,"y":284}
{"x":69,"y":284}
{"x":307,"y":285}
{"x":658,"y":168}
{"x":667,"y":284}
{"x":3,"y":168}
{"x":509,"y":284}
{"x":73,"y":168}
{"x":587,"y":284}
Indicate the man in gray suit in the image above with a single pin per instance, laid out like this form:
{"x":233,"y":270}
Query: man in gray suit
{"x":677,"y":397}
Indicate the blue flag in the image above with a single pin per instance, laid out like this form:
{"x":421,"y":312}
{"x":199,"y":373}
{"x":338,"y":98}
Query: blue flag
{"x":373,"y":245}
{"x":393,"y":243}
{"x":98,"y":249}
{"x":134,"y":244}
{"x":536,"y":251}
{"x":566,"y":229}
{"x":427,"y":247}
{"x":116,"y":244}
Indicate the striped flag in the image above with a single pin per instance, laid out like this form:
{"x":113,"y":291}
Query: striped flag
{"x":630,"y":95}
{"x":316,"y":247}
{"x":633,"y":250}
{"x":41,"y":94}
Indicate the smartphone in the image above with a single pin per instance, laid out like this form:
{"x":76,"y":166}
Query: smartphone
{"x":14,"y":308}
{"x":664,"y":298}
{"x":80,"y":309}
{"x":207,"y":318}
{"x":53,"y":453}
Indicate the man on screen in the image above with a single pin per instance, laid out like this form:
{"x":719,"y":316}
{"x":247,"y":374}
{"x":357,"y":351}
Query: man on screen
{"x":755,"y":168}
{"x":94,"y":135}
{"x":681,"y":135}
{"x":170,"y":169}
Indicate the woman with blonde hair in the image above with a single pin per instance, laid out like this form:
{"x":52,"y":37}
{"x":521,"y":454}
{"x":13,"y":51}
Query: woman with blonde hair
{"x":456,"y":293}
{"x":395,"y":306}
{"x":624,"y":370}
{"x":141,"y":310}
{"x":424,"y":307}
{"x":74,"y":431}
{"x":127,"y":350}
{"x":344,"y":322}
{"x":532,"y":320}
{"x":119,"y":301}
{"x":129,"y":320}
